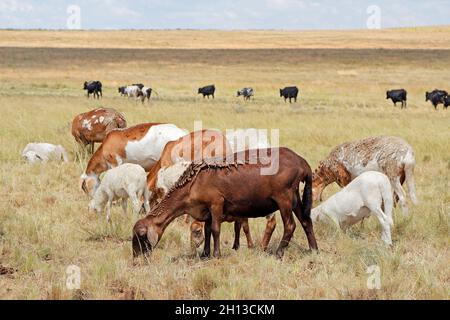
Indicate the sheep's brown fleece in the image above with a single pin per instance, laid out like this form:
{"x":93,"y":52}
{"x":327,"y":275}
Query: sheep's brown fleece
{"x":214,"y":191}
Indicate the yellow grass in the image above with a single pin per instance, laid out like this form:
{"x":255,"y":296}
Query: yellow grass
{"x":44,"y":222}
{"x":407,"y":38}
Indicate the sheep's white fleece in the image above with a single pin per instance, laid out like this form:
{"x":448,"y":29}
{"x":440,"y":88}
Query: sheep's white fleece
{"x":43,"y":152}
{"x":125,"y":181}
{"x":366,"y":194}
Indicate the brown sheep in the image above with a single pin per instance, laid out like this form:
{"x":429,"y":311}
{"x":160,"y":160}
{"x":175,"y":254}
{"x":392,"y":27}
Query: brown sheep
{"x":194,"y":146}
{"x":94,"y":125}
{"x":218,"y":190}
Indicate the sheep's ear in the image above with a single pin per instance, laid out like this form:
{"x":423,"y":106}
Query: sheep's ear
{"x":152,"y":236}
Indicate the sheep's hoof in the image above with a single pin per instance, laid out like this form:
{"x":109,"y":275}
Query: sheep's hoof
{"x":205,"y":256}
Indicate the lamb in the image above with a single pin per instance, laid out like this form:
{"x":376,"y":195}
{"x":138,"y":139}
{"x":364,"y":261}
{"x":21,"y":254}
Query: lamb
{"x":43,"y":152}
{"x":120,"y":183}
{"x":366,"y":194}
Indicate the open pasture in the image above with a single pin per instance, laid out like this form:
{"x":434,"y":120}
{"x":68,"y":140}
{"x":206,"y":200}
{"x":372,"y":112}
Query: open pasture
{"x":44,"y":222}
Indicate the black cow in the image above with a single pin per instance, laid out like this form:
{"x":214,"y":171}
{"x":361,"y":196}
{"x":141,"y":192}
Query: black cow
{"x":398,"y":95}
{"x":207,"y":91}
{"x":139,"y":85}
{"x":289,"y":92}
{"x":94,"y":87}
{"x":436,"y":97}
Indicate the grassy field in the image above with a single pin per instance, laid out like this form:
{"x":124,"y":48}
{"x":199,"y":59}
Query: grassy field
{"x":44,"y":222}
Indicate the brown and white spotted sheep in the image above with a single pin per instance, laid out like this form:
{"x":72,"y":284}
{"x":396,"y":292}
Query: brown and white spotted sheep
{"x":94,"y":125}
{"x":390,"y":155}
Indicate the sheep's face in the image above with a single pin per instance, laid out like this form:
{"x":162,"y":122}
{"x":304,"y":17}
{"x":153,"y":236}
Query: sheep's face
{"x":88,"y":184}
{"x":145,"y":238}
{"x":317,"y":191}
{"x":93,"y":207}
{"x":197,"y":236}
{"x":32,"y":157}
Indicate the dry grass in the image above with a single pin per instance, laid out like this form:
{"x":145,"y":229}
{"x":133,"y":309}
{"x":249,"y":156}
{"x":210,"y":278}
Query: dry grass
{"x":44,"y":223}
{"x":406,"y":38}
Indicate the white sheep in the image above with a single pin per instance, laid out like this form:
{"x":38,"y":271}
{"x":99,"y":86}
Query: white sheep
{"x":43,"y":152}
{"x":168,"y":176}
{"x":368,"y":193}
{"x":120,"y":183}
{"x":246,"y":139}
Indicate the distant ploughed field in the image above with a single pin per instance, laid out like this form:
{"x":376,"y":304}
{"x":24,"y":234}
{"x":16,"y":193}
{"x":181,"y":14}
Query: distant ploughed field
{"x":342,"y":76}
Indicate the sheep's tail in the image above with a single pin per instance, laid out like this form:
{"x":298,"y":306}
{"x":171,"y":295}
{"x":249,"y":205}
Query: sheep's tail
{"x":307,"y":197}
{"x":64,"y":153}
{"x":146,"y":204}
{"x":409,"y":165}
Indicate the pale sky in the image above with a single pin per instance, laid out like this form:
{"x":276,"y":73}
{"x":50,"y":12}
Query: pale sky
{"x":222,"y":14}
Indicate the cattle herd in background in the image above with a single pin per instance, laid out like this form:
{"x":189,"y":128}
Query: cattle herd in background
{"x":138,"y":90}
{"x":167,"y":171}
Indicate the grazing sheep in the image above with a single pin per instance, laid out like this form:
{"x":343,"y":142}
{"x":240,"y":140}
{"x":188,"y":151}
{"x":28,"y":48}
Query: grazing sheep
{"x":43,"y":152}
{"x":390,"y":155}
{"x":167,"y":179}
{"x":366,"y":194}
{"x":125,"y":181}
{"x":93,"y":126}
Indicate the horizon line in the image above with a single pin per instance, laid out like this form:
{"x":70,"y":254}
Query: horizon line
{"x":225,"y":30}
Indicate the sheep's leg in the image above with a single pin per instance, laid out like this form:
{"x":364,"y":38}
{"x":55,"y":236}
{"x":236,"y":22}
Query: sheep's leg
{"x":207,"y":247}
{"x":385,"y":225}
{"x":136,"y":203}
{"x":246,"y":227}
{"x":237,"y":234}
{"x":216,"y":213}
{"x":306,"y":223}
{"x":285,"y":207}
{"x":398,"y":189}
{"x":124,"y":205}
{"x":108,"y":210}
{"x":270,"y":227}
{"x":409,"y":177}
{"x":289,"y":228}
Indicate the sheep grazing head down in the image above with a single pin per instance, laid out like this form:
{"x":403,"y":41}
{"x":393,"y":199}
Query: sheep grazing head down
{"x":145,"y":238}
{"x":32,"y":157}
{"x":89,"y":184}
{"x":94,"y":207}
{"x":197,"y":236}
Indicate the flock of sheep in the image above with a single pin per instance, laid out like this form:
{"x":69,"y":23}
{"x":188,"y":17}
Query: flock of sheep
{"x":167,"y":171}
